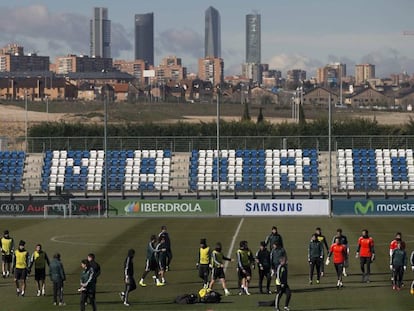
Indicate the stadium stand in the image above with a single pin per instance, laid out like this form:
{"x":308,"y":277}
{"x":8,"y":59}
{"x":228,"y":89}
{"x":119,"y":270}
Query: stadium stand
{"x":11,"y":170}
{"x":128,"y":170}
{"x":247,"y":170}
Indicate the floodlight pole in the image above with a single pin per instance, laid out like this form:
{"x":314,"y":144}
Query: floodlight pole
{"x":330,"y":152}
{"x":106,"y":203}
{"x":218,"y":149}
{"x":25,"y":120}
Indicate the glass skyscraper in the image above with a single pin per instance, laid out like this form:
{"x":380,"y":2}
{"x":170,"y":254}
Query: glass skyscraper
{"x":144,"y":37}
{"x":253,"y":38}
{"x":100,"y":34}
{"x":212,"y":37}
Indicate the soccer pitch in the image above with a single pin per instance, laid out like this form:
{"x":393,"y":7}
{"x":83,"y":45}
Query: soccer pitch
{"x":111,"y":238}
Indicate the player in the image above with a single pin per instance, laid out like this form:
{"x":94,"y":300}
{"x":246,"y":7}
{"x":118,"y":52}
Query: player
{"x":203,"y":263}
{"x":21,"y":260}
{"x":151,"y":263}
{"x":161,"y":255}
{"x":276,"y":253}
{"x":393,"y":245}
{"x":322,"y":239}
{"x":273,"y":237}
{"x":129,"y":279}
{"x":58,"y":277}
{"x":412,"y":269}
{"x":217,"y":262}
{"x":282,"y":286}
{"x":366,"y":253}
{"x":315,"y":257}
{"x":340,"y":254}
{"x":398,"y":264}
{"x":245,"y":261}
{"x":95,"y":267}
{"x":169,"y":255}
{"x":344,"y":242}
{"x":87,"y":286}
{"x":263,"y":264}
{"x":7,"y":249}
{"x":39,"y":259}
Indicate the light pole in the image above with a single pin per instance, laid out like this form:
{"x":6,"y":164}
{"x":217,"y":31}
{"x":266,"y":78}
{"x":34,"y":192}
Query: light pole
{"x":106,"y":203}
{"x":218,"y":149}
{"x":330,"y":151}
{"x":25,"y":120}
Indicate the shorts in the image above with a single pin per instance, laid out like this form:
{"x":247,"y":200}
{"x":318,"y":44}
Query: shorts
{"x":218,"y":273}
{"x":162,"y":263}
{"x":40,"y":274}
{"x":20,"y":274}
{"x":247,"y":273}
{"x":151,"y":265}
{"x":7,"y":258}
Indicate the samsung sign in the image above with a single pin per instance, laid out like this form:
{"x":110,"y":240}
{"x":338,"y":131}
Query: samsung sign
{"x":390,"y":207}
{"x":274,"y":207}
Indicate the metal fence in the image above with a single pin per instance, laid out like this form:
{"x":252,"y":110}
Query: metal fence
{"x":188,"y":143}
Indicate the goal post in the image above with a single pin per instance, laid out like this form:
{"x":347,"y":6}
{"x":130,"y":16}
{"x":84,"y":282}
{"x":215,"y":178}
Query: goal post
{"x":85,"y":207}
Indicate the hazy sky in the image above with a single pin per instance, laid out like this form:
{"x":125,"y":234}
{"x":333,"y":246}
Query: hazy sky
{"x":301,"y":34}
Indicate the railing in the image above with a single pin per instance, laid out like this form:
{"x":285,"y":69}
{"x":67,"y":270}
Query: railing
{"x":188,"y":143}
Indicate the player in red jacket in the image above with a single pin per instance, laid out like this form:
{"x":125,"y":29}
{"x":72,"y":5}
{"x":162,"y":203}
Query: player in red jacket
{"x":366,"y":253}
{"x":340,"y":254}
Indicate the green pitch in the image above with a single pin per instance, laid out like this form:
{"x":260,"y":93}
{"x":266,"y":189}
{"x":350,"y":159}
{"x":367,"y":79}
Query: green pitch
{"x":110,"y":239}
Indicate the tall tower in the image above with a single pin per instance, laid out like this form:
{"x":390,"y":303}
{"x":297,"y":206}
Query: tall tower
{"x":144,"y":37}
{"x":212,"y":37}
{"x":100,"y":34}
{"x":253,"y":38}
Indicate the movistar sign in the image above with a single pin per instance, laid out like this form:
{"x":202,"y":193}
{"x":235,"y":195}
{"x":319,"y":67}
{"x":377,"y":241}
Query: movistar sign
{"x":390,"y":207}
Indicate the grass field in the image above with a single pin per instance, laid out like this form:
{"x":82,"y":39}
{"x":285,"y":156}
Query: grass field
{"x":111,"y":238}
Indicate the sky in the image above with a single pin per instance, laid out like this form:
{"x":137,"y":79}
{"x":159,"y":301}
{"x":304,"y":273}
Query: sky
{"x":296,"y":34}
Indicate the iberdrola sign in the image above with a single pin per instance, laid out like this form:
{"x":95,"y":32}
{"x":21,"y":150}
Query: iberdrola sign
{"x":373,"y":207}
{"x":170,"y":208}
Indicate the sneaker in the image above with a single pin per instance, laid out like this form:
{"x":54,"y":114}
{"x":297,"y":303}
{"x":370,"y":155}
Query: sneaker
{"x":7,"y":274}
{"x":17,"y":292}
{"x":160,"y":284}
{"x":43,"y":292}
{"x":269,"y":292}
{"x":344,"y":273}
{"x":226,"y":292}
{"x":22,"y":294}
{"x":122,"y":296}
{"x":38,"y":293}
{"x":55,"y":303}
{"x":241,"y":292}
{"x":394,"y":287}
{"x":4,"y":275}
{"x":167,"y":268}
{"x":317,"y":281}
{"x":322,"y":273}
{"x":62,"y":304}
{"x":286,"y":309}
{"x":126,"y":304}
{"x":141,"y":282}
{"x":247,"y":292}
{"x":310,"y":282}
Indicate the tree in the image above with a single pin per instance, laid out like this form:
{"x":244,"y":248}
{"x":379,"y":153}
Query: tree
{"x":260,"y":117}
{"x":246,"y":113}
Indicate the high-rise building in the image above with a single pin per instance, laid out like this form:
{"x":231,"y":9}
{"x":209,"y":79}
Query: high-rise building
{"x":100,"y":33}
{"x":253,"y":38}
{"x":212,"y":37}
{"x":73,"y":63}
{"x":363,"y":72}
{"x":144,"y":38}
{"x":211,"y":69}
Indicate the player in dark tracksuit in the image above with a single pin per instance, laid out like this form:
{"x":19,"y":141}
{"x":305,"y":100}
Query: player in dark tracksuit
{"x":276,"y":253}
{"x":322,"y":239}
{"x":129,"y":279}
{"x":315,"y":257}
{"x":151,"y":262}
{"x":263,"y":264}
{"x":282,"y":286}
{"x":398,"y":264}
{"x":168,"y":254}
{"x":273,"y":237}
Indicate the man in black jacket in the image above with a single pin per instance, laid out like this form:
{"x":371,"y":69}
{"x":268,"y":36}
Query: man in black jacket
{"x":282,"y":285}
{"x":315,"y":257}
{"x":129,"y":280}
{"x":263,"y":264}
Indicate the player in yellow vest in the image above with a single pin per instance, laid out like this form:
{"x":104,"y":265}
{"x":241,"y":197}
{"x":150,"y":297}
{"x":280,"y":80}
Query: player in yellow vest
{"x":39,"y":259}
{"x":7,"y":249}
{"x":203,"y":264}
{"x":20,"y":266}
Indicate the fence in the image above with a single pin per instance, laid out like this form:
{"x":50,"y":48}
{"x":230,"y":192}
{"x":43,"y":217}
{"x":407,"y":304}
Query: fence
{"x":188,"y":143}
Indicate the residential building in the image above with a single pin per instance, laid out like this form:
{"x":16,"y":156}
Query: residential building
{"x":29,"y":62}
{"x":13,"y":49}
{"x":170,"y":69}
{"x":82,"y":63}
{"x":295,"y":76}
{"x":144,"y":38}
{"x":212,"y":37}
{"x":100,"y":34}
{"x":331,"y":74}
{"x":253,"y":72}
{"x":364,"y":72}
{"x":211,"y":69}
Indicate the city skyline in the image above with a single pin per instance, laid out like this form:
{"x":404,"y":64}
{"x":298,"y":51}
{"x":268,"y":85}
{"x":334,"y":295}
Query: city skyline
{"x":294,"y":34}
{"x":100,"y":30}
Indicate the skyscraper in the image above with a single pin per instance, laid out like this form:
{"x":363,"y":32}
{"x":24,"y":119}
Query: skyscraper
{"x":212,"y":37}
{"x":100,"y":34}
{"x":253,"y":38}
{"x":144,"y":37}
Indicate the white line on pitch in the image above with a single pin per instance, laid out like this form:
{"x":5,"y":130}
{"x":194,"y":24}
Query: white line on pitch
{"x":233,"y":240}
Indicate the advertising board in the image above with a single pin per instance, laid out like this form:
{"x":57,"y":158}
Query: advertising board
{"x":170,"y":208}
{"x":285,"y":207}
{"x":373,"y":207}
